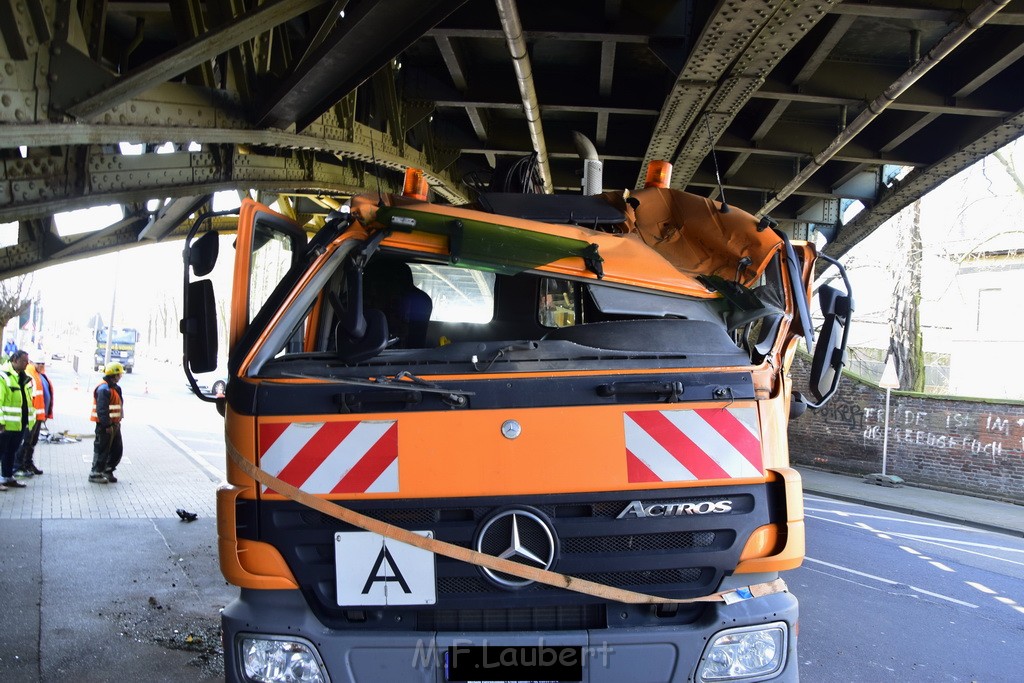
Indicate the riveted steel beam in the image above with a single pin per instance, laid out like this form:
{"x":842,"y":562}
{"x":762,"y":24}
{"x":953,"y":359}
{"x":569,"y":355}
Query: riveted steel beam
{"x":737,"y":51}
{"x":190,"y":55}
{"x":189,"y":25}
{"x":369,"y":37}
{"x":51,"y":185}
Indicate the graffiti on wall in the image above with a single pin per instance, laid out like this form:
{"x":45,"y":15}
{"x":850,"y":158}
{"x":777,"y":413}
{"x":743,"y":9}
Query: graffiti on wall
{"x":979,"y":434}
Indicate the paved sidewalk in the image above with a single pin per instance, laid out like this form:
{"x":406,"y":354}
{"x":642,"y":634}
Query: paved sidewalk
{"x":154,"y":479}
{"x":979,"y":512}
{"x":103,"y":582}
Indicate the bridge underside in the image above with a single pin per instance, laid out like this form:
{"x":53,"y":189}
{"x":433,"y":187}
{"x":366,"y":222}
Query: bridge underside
{"x":810,"y":105}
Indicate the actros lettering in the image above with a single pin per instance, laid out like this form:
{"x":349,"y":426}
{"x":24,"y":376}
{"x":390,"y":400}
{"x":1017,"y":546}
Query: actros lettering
{"x":638,"y":509}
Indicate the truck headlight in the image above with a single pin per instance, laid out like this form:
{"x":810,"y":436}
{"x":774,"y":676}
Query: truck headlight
{"x":269,"y":659}
{"x":745,"y":654}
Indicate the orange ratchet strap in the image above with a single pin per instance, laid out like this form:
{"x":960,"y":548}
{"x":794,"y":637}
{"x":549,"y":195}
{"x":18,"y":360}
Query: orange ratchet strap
{"x":482,"y":559}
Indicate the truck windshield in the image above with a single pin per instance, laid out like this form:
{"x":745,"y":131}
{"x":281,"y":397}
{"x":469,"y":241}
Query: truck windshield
{"x":434,"y":316}
{"x":121,"y":335}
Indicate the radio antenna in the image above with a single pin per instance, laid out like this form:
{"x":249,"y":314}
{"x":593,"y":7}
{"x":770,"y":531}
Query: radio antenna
{"x":714,"y":158}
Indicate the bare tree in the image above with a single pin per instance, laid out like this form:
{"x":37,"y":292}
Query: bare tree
{"x":906,"y":341}
{"x":15,"y":298}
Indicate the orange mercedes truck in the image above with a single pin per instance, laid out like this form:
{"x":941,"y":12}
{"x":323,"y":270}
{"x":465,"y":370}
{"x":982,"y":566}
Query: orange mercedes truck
{"x":536,"y":437}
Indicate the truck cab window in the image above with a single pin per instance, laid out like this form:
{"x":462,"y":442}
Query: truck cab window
{"x":557,"y":306}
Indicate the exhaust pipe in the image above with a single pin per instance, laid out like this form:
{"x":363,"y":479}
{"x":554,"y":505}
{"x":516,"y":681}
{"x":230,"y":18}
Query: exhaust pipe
{"x":593,"y":167}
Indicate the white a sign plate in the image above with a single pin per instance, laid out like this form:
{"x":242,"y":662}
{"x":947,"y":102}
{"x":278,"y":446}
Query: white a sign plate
{"x":373,"y":570}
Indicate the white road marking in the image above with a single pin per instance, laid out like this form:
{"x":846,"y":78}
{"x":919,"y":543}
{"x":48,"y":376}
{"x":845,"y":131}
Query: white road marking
{"x":1006,"y":601}
{"x":196,"y":458}
{"x":1019,"y":608}
{"x":891,"y":582}
{"x":935,"y":541}
{"x":980,"y":587}
{"x":885,"y":537}
{"x":941,"y":566}
{"x":926,"y":539}
{"x":957,"y":542}
{"x":909,"y":550}
{"x":904,"y":520}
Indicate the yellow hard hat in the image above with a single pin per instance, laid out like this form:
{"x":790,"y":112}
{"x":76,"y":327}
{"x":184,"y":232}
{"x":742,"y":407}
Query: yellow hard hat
{"x":113,"y":369}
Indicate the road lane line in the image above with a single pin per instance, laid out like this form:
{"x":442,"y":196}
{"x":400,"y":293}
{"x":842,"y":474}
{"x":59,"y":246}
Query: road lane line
{"x":924,"y":539}
{"x":941,"y":566}
{"x":909,"y":550}
{"x":990,"y":546}
{"x":980,"y":587}
{"x":1019,"y":608}
{"x":891,"y":582}
{"x":904,"y":520}
{"x":1006,"y":601}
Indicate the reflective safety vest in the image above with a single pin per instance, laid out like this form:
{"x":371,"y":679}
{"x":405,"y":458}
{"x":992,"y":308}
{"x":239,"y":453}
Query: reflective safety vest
{"x":38,"y":398}
{"x":13,"y":399}
{"x":115,"y":404}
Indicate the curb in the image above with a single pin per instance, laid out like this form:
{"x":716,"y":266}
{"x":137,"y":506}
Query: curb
{"x":912,"y":511}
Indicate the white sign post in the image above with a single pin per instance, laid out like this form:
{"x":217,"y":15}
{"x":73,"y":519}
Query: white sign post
{"x":888,"y":382}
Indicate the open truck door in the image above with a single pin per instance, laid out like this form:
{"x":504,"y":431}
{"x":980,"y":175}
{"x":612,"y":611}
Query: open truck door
{"x":267,"y":245}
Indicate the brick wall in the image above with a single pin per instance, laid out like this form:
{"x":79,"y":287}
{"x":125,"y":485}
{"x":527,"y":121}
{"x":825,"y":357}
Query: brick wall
{"x":957,"y":444}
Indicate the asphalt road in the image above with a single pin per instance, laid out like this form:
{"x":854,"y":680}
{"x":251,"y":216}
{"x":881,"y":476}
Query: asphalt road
{"x":884,"y":596}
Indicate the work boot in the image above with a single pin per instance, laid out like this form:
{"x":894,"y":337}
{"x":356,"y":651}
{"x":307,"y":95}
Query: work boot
{"x":34,"y":470}
{"x":23,"y":474}
{"x":3,"y":487}
{"x":13,"y":483}
{"x":110,"y":477}
{"x":97,"y":478}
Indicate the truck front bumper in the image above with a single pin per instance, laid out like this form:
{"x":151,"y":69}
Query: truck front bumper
{"x":609,"y":655}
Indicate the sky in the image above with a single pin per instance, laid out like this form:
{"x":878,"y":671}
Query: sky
{"x":961,"y":214}
{"x":134,"y":283}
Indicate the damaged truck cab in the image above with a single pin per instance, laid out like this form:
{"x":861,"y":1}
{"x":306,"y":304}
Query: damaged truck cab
{"x":534,"y":438}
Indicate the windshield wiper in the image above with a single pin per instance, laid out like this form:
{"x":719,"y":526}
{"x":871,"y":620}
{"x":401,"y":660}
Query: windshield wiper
{"x":404,"y":380}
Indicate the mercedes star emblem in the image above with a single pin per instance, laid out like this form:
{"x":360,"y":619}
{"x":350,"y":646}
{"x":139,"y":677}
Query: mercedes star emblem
{"x":520,"y":536}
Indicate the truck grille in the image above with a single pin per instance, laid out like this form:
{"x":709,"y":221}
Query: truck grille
{"x":676,"y":557}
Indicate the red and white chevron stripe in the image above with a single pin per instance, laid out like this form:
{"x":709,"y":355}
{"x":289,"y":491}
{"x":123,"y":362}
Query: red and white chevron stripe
{"x":690,"y":445}
{"x":332,"y":457}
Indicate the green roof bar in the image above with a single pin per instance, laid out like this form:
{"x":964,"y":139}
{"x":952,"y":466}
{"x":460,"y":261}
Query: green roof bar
{"x":498,"y":248}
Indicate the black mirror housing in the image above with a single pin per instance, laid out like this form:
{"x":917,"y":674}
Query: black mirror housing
{"x":199,"y":327}
{"x":202,"y":255}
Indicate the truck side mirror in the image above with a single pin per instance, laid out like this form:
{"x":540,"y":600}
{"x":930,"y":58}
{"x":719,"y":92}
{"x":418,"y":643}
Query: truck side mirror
{"x":202,"y":255}
{"x":199,"y":322}
{"x":830,"y":353}
{"x":199,"y":327}
{"x":830,"y":348}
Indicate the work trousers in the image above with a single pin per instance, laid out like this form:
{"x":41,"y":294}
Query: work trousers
{"x":26,"y":451}
{"x":107,"y":449}
{"x":9,"y":441}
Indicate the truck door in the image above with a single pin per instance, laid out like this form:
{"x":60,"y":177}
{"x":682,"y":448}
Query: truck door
{"x":268,"y":245}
